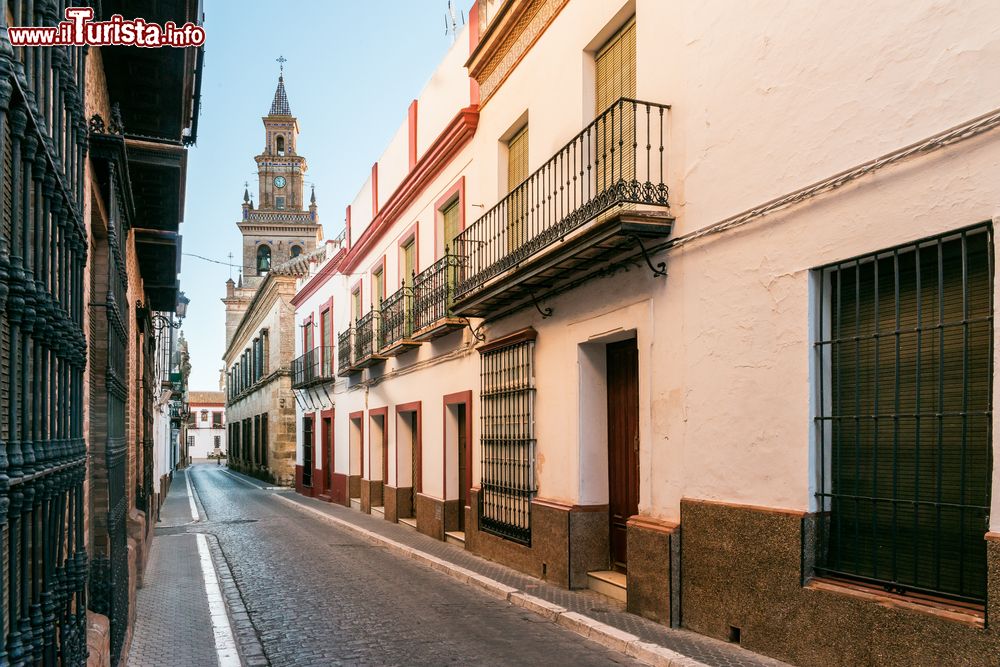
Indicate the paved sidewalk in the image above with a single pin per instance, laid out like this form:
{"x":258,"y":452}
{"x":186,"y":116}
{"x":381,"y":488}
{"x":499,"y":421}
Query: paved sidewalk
{"x":578,"y":603}
{"x":173,"y":619}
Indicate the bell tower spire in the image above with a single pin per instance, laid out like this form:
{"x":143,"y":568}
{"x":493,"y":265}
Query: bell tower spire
{"x":280,"y":168}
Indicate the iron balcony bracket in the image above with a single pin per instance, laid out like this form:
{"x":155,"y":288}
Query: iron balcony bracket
{"x":545,"y":312}
{"x":658,"y":270}
{"x":476,"y":332}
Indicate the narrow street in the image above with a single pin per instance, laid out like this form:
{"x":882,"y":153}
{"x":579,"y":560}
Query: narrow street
{"x":317,"y":594}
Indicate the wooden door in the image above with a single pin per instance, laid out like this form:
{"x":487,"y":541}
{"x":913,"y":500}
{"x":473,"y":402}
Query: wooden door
{"x":463,"y":499}
{"x":327,"y":453}
{"x":623,"y":443}
{"x":307,"y":451}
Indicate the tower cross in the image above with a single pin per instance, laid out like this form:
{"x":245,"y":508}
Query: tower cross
{"x":281,"y":60}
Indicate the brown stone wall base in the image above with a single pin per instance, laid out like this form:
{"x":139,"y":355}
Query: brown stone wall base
{"x":430,"y":516}
{"x":338,"y":489}
{"x":371,"y":494}
{"x":353,"y":487}
{"x":397,"y":502}
{"x":451,"y":510}
{"x":567,"y":541}
{"x":98,"y":640}
{"x":742,"y":567}
{"x":651,"y":548}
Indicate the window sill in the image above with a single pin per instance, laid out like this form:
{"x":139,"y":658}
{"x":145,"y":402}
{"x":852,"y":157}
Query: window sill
{"x":938,"y":607}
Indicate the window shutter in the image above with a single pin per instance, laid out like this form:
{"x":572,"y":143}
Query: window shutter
{"x":615,"y":68}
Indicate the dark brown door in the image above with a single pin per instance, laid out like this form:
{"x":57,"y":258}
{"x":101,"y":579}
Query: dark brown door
{"x":623,"y":443}
{"x":328,"y":452}
{"x":307,"y":451}
{"x":462,"y":483}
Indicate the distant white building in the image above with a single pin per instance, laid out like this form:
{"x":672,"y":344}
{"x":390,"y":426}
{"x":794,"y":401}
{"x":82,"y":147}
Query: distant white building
{"x":207,"y":426}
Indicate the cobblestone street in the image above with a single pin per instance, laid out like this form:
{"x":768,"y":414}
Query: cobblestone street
{"x":319,"y":595}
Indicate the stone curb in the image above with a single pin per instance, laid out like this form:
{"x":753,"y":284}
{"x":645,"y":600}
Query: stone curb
{"x":606,"y":635}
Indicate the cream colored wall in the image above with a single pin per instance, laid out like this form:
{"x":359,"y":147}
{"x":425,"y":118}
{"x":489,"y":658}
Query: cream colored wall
{"x":394,"y":163}
{"x":724,"y":341}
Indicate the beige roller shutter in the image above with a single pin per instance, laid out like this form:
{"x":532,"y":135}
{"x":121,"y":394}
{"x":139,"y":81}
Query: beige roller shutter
{"x":517,"y":205}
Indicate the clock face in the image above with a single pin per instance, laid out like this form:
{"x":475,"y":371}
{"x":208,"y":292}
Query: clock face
{"x":279,"y":181}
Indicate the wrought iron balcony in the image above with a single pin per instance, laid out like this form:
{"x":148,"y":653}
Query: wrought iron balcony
{"x":433,"y":296}
{"x":586,"y":211}
{"x":366,"y":341}
{"x":396,"y":323}
{"x":345,"y":353}
{"x":313,"y":367}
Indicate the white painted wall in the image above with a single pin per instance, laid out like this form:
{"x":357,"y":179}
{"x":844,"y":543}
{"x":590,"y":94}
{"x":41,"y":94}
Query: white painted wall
{"x":766,"y":97}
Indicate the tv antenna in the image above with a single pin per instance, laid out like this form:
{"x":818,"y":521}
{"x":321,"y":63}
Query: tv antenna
{"x":451,"y":22}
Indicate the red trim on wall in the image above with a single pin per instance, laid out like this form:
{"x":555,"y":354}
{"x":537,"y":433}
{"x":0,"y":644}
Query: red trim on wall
{"x":447,"y":145}
{"x":415,"y":406}
{"x":328,"y":453}
{"x":360,"y":417}
{"x":316,"y":481}
{"x":384,"y":414}
{"x":308,"y":335}
{"x":359,"y":288}
{"x":473,"y":43}
{"x":411,"y":121}
{"x":375,"y":190}
{"x":325,"y":321}
{"x":412,"y":233}
{"x":459,"y":189}
{"x":457,"y":399}
{"x":347,"y":226}
{"x":320,"y":279}
{"x":378,"y":265}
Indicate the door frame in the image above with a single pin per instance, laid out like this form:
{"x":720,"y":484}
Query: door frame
{"x":416,"y":476}
{"x":633,"y":345}
{"x":462,"y":397}
{"x":328,"y":459}
{"x":382,"y":412}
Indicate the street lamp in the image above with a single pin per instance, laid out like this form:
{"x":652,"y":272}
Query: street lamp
{"x":161,"y":321}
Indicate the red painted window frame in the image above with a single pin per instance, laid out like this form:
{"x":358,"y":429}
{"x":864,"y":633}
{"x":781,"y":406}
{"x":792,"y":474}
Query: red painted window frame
{"x":418,"y":474}
{"x":457,"y":399}
{"x":455,"y":191}
{"x":412,"y":233}
{"x":360,"y":417}
{"x":382,"y":412}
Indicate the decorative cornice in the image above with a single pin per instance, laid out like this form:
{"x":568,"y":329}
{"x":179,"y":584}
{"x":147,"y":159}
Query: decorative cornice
{"x":507,"y":40}
{"x":268,"y":292}
{"x":320,"y":279}
{"x":447,"y":145}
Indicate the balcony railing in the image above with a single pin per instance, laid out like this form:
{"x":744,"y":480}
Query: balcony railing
{"x":396,"y":322}
{"x":316,"y":365}
{"x":366,"y":340}
{"x":433,"y":296}
{"x":345,"y":345}
{"x":617,"y":159}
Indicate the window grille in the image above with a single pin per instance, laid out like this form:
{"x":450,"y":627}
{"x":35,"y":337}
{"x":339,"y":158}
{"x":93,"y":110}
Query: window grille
{"x":508,"y":438}
{"x":904,"y":362}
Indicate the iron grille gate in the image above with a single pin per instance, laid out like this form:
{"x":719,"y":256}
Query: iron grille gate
{"x":507,"y":397}
{"x":904,"y":367}
{"x":43,"y":251}
{"x":109,"y":575}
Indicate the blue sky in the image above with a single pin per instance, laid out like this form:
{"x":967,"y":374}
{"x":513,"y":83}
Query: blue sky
{"x":352,"y":69}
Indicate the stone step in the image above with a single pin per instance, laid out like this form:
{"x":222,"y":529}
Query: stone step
{"x":409,"y":521}
{"x":380,"y":510}
{"x":455,"y":537}
{"x":609,"y":583}
{"x":356,"y":504}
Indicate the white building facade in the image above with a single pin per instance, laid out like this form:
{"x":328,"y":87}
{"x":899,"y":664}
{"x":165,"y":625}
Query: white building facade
{"x":207,"y":429}
{"x":786,"y":441}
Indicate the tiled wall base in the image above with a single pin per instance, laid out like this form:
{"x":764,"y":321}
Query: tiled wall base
{"x":741,"y":568}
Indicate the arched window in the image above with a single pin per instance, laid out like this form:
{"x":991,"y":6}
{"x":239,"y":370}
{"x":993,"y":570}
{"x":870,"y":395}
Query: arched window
{"x":296,"y":251}
{"x":263,"y":259}
{"x":280,"y":143}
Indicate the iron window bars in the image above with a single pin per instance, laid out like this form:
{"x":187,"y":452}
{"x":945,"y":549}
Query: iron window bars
{"x":904,"y":362}
{"x":617,"y":159}
{"x":434,"y":291}
{"x":345,"y":343}
{"x":316,"y":365}
{"x":508,"y":440}
{"x":396,"y":322}
{"x":365,"y":336}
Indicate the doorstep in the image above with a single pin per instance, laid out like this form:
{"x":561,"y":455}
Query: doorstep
{"x":356,"y":504}
{"x":409,"y":521}
{"x":379,"y":509}
{"x":455,"y":537}
{"x":608,"y":583}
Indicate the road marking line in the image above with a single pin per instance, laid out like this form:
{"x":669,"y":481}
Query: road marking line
{"x":194,"y":508}
{"x":225,"y":643}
